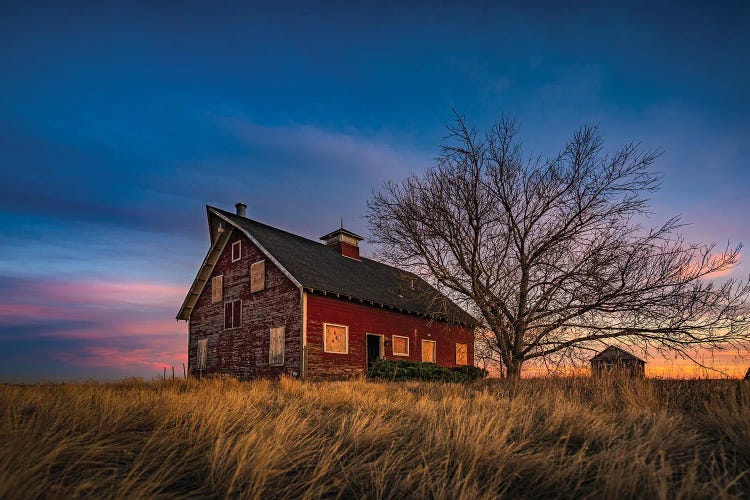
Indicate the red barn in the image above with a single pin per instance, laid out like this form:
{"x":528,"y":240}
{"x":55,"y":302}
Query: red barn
{"x":267,"y":302}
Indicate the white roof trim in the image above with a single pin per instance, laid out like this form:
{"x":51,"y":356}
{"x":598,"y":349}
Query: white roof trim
{"x":199,"y":283}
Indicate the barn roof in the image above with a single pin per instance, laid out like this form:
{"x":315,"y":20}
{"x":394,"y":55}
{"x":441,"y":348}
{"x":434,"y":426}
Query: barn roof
{"x":341,"y":231}
{"x":614,"y":353}
{"x":318,"y":268}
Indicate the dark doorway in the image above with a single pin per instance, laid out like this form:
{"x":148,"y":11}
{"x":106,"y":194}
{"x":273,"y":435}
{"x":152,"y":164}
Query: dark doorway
{"x":374,"y":348}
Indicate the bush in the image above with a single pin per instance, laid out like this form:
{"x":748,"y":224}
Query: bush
{"x":429,"y":372}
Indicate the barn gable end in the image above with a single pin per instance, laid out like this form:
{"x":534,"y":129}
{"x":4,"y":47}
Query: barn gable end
{"x":243,"y":351}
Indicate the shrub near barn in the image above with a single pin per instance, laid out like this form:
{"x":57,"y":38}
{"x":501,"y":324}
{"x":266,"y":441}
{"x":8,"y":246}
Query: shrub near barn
{"x":428,"y":372}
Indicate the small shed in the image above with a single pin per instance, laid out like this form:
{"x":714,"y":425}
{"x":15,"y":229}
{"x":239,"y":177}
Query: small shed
{"x":616,"y":360}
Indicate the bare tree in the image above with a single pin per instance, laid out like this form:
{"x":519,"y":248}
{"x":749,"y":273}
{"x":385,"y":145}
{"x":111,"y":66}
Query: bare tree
{"x":486,"y":354}
{"x":552,"y":256}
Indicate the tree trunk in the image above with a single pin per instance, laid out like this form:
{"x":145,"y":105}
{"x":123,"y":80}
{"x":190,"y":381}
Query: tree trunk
{"x":513,"y":369}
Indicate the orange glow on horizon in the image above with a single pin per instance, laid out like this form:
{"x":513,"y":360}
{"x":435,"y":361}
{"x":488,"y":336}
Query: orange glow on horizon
{"x":719,"y":364}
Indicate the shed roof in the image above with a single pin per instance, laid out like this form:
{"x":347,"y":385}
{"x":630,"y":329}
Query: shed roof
{"x":614,"y":353}
{"x":319,"y":268}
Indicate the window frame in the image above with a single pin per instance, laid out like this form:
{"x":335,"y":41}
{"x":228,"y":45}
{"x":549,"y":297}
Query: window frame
{"x":283,"y":344}
{"x":408,"y":346}
{"x":346,"y":338}
{"x":238,"y":243}
{"x":231,"y":315}
{"x":434,"y":350}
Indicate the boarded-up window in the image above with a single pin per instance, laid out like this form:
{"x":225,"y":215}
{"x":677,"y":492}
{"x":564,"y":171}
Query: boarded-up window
{"x":276,"y":347}
{"x":233,"y":314}
{"x":428,"y":351}
{"x":400,"y":346}
{"x":217,"y":288}
{"x":336,"y":338}
{"x":462,"y":354}
{"x":202,"y":355}
{"x":236,"y":251}
{"x":258,"y":276}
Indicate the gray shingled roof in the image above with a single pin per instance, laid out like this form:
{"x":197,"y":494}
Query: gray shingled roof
{"x":320,"y":268}
{"x":614,"y":353}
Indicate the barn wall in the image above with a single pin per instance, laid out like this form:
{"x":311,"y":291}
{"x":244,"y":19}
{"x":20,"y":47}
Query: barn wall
{"x":243,"y":352}
{"x":362,"y":319}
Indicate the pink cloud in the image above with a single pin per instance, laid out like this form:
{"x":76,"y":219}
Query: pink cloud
{"x":9,"y":311}
{"x":87,"y":300}
{"x":713,"y":260}
{"x":128,"y":328}
{"x":137,"y":358}
{"x":110,"y":292}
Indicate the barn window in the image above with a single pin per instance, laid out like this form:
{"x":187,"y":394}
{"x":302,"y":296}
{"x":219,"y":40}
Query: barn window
{"x":217,"y":288}
{"x":428,"y":351}
{"x":462,"y":354}
{"x":258,"y":276}
{"x":202,"y":354}
{"x":276,"y":347}
{"x":232,"y":314}
{"x":400,"y":345}
{"x":335,"y":338}
{"x":236,"y":251}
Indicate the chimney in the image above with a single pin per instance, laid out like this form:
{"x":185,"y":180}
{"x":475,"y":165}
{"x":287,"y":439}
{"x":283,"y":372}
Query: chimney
{"x":344,"y":242}
{"x":241,"y":209}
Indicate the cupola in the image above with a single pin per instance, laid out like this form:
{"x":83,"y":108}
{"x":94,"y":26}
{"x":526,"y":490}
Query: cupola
{"x":344,"y":242}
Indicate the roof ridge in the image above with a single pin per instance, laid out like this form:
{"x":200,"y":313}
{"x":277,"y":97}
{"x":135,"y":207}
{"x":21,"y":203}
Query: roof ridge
{"x":315,"y":242}
{"x":291,"y":253}
{"x":619,"y":350}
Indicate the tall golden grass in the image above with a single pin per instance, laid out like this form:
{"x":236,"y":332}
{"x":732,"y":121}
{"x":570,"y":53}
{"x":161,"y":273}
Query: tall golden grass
{"x":220,"y":438}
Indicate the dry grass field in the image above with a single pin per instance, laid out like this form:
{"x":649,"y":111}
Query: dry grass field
{"x":221,"y":438}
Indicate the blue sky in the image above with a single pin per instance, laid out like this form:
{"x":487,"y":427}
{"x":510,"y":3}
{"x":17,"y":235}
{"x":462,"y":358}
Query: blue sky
{"x":119,"y":122}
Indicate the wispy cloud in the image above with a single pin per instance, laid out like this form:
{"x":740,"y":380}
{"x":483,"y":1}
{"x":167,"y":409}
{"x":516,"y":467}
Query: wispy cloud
{"x":304,"y":177}
{"x":352,"y":154}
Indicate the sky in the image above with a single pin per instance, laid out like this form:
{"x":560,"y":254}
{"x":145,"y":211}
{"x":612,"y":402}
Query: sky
{"x":119,"y":122}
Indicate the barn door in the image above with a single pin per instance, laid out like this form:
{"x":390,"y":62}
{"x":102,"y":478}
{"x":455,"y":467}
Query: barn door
{"x":374,"y":348}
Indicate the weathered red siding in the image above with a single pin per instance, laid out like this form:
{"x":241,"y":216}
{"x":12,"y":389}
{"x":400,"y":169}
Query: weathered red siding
{"x":363,"y":319}
{"x":347,"y":250}
{"x":243,"y":352}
